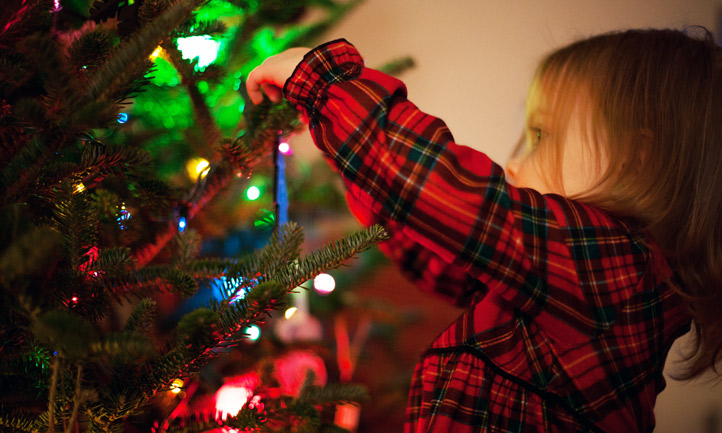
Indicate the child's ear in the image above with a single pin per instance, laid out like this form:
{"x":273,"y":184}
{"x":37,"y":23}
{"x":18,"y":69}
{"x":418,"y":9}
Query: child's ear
{"x":640,"y":144}
{"x":645,"y":140}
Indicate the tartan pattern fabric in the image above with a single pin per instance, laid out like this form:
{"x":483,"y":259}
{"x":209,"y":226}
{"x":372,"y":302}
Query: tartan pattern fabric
{"x":570,"y":311}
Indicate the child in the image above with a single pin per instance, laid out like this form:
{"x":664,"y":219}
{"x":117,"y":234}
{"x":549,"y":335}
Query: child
{"x":581,"y":264}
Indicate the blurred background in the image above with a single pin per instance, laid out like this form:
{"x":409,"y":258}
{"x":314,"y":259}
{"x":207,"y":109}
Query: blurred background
{"x":474,"y":61}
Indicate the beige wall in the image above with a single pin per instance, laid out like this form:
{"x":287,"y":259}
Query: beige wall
{"x":475,"y":59}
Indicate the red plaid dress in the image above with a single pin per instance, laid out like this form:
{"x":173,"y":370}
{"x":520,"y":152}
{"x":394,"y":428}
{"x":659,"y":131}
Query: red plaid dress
{"x":570,"y":312}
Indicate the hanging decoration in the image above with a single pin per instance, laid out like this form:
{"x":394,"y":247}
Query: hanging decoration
{"x":292,"y":369}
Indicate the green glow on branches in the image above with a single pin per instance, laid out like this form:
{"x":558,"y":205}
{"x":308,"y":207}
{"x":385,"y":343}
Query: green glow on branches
{"x":202,"y":47}
{"x":266,"y":43}
{"x":164,"y":74}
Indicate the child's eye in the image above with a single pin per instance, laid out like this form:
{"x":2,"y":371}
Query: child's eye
{"x":537,"y":134}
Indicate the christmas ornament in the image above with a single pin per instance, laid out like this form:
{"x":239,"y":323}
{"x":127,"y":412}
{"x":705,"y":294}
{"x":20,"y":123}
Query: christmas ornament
{"x":292,"y":369}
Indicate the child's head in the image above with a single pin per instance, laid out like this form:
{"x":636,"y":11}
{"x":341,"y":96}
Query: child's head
{"x":626,"y":116}
{"x":632,"y":122}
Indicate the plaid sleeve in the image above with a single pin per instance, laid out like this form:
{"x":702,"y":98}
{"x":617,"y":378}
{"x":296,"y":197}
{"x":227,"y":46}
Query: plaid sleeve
{"x":566,"y":264}
{"x":421,"y":265}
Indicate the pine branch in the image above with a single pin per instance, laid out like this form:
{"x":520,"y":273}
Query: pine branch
{"x":149,"y":279}
{"x":24,"y":374}
{"x":330,"y":257}
{"x":200,"y":28}
{"x":12,"y":423}
{"x":186,"y":247}
{"x":159,"y":373}
{"x":77,"y":399}
{"x":98,"y":158}
{"x":54,"y":173}
{"x":91,"y":49}
{"x":113,"y":262}
{"x":27,"y":254}
{"x":333,"y":393}
{"x":398,"y":66}
{"x":142,"y":317}
{"x":113,"y":73}
{"x":258,"y":301}
{"x":201,"y":111}
{"x":247,"y":419}
{"x":75,"y":219}
{"x":197,"y":330}
{"x":127,"y":345}
{"x":304,"y":416}
{"x":283,"y":247}
{"x":26,"y":20}
{"x":19,"y":175}
{"x":208,"y":268}
{"x":117,"y":401}
{"x":70,"y":335}
{"x":53,"y":392}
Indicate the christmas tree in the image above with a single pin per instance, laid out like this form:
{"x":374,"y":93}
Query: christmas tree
{"x":101,"y":107}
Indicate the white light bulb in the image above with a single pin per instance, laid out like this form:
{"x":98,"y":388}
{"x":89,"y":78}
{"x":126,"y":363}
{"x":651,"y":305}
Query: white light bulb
{"x":324,"y":284}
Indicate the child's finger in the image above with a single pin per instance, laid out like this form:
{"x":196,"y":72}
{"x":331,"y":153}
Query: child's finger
{"x":253,"y":85}
{"x":274,"y":93}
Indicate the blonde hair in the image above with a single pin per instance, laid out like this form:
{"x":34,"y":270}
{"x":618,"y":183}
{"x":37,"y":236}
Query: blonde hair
{"x":654,"y":98}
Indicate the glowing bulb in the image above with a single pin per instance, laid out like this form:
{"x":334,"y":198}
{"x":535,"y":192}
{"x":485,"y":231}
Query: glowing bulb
{"x":79,"y":187}
{"x":74,"y":299}
{"x":157,"y":52}
{"x":203,"y":47}
{"x":123,"y":217}
{"x":201,"y":167}
{"x":324,"y":284}
{"x":182,"y":224}
{"x":253,"y":331}
{"x":176,"y":386}
{"x":253,"y":193}
{"x":285,"y":148}
{"x":290,"y":312}
{"x":234,"y":394}
{"x":197,"y":167}
{"x":122,"y":117}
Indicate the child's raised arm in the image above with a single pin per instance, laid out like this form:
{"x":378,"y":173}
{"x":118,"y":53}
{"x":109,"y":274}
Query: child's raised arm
{"x":540,"y":253}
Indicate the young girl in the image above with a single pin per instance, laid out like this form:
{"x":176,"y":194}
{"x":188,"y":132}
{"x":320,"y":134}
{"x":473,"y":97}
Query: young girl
{"x":581,"y":264}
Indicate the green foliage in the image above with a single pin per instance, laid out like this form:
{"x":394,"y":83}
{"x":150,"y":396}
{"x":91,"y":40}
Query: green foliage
{"x":141,"y":319}
{"x":71,"y":336}
{"x":123,"y":346}
{"x":331,"y":256}
{"x":334,"y":393}
{"x":196,"y":330}
{"x":247,"y":419}
{"x":91,"y":260}
{"x":29,"y":253}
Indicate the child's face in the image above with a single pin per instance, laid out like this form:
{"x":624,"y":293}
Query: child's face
{"x":580,"y":170}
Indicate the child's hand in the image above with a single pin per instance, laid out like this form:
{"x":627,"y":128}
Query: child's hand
{"x":272,"y":74}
